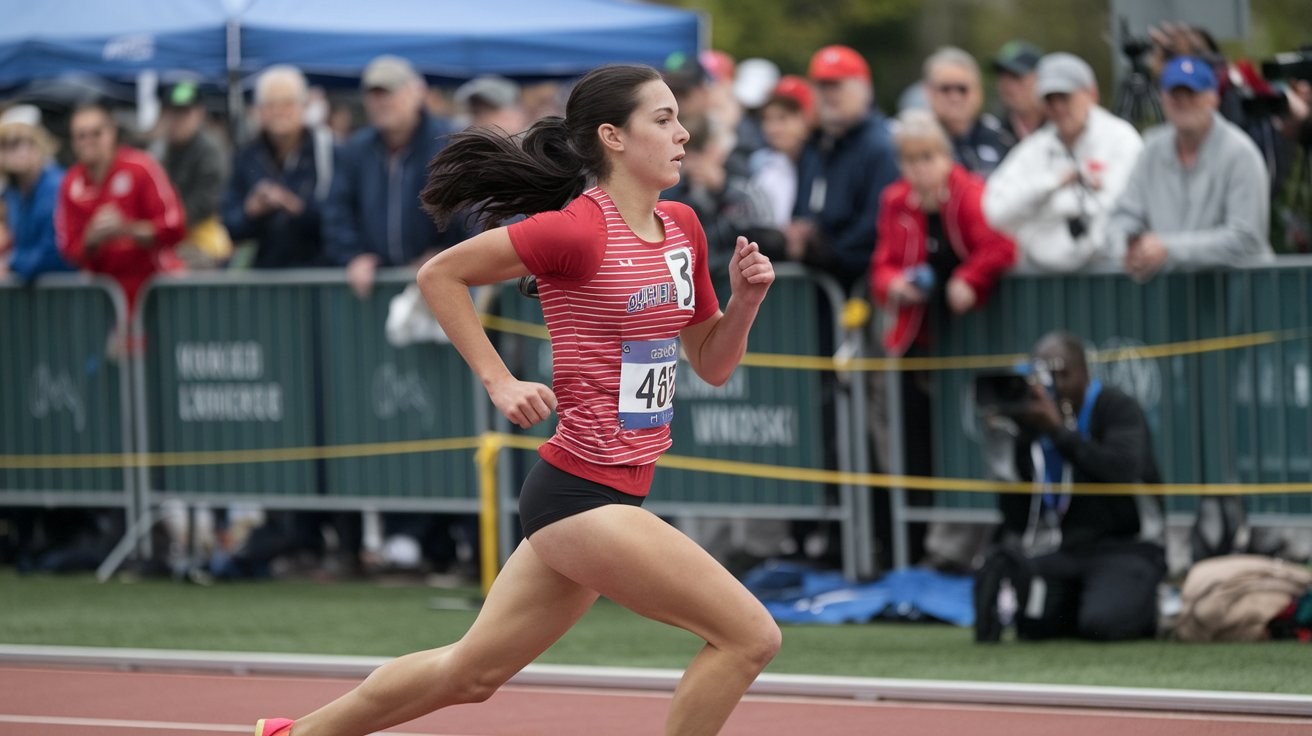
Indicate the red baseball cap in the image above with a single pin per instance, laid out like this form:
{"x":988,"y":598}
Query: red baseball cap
{"x":718,"y":64}
{"x":797,"y":89}
{"x":833,"y":63}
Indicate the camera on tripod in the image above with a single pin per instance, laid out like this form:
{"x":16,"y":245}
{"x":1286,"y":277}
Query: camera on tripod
{"x":1136,"y":97}
{"x":1134,"y":47}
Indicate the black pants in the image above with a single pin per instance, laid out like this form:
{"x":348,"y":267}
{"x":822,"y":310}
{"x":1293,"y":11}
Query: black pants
{"x":1107,"y":593}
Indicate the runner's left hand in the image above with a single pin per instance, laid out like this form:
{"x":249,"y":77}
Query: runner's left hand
{"x":750,"y":272}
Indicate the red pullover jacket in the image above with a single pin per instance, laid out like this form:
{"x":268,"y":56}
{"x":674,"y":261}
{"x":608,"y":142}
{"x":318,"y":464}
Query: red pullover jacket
{"x":141,"y":190}
{"x":985,"y":254}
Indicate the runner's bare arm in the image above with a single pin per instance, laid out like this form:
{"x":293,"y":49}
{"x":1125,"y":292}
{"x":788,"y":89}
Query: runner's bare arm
{"x":445,"y":280}
{"x":715,"y":346}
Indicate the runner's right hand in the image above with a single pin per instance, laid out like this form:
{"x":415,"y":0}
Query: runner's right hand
{"x":522,"y":402}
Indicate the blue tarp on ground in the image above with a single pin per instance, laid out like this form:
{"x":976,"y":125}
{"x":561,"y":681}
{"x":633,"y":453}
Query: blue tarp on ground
{"x":455,"y":39}
{"x":796,"y":594}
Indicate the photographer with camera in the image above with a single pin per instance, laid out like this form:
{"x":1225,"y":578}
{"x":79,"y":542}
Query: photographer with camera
{"x":1056,"y":188}
{"x":1199,"y":193}
{"x":1083,"y":565}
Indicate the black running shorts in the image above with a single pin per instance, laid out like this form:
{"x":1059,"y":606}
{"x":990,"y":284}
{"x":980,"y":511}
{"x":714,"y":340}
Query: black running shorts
{"x":550,"y":494}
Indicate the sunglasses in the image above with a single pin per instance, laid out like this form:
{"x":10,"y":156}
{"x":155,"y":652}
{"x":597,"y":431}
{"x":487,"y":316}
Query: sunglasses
{"x":88,"y":134}
{"x":10,"y":144}
{"x":952,"y":89}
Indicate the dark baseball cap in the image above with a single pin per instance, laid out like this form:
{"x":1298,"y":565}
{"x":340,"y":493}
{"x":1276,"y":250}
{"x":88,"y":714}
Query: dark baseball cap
{"x":185,"y":93}
{"x":1017,"y":57}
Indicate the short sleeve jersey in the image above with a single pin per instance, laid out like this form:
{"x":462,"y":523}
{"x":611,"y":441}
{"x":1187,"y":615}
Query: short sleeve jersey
{"x":614,"y":305}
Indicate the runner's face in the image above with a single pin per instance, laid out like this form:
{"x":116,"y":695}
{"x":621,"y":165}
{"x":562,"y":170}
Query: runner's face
{"x":654,"y":138}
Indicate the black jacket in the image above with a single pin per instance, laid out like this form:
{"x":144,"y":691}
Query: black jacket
{"x":1119,"y":450}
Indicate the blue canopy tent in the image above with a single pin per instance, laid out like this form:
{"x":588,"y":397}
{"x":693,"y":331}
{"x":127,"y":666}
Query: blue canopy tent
{"x":219,"y":39}
{"x":458,"y":39}
{"x":119,"y":40}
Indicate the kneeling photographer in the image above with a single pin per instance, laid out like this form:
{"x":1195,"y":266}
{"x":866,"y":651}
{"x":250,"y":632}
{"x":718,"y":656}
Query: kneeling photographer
{"x":1081,"y":565}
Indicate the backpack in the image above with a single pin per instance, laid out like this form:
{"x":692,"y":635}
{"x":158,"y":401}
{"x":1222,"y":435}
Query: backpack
{"x":1233,"y":598}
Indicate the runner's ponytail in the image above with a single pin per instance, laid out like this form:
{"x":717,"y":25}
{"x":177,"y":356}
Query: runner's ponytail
{"x":499,"y":176}
{"x":542,"y":169}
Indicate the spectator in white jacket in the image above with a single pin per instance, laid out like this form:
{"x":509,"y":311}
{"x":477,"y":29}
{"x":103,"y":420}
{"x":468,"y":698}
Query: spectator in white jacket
{"x":1199,"y":195}
{"x":1055,"y":190}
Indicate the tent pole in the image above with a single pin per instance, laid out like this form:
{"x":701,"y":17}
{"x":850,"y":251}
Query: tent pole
{"x":236,"y":103}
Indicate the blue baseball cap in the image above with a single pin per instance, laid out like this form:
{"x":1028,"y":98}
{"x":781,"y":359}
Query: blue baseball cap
{"x":1188,"y":71}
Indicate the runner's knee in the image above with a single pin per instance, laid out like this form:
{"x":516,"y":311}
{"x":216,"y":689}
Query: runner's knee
{"x":478,"y":688}
{"x":761,"y":644}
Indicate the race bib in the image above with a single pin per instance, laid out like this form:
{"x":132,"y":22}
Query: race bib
{"x":679,"y":261}
{"x":647,"y":383}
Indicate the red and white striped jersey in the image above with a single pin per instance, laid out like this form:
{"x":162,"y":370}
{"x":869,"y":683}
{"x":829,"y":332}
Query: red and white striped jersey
{"x":614,"y":305}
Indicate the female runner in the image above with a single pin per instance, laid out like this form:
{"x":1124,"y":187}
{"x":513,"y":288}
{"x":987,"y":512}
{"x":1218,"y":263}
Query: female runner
{"x":624,"y":288}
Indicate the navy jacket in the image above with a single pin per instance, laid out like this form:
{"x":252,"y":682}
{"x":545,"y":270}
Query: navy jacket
{"x":31,"y":219}
{"x":283,"y":240}
{"x":855,"y":168}
{"x":374,"y":203}
{"x":983,"y":147}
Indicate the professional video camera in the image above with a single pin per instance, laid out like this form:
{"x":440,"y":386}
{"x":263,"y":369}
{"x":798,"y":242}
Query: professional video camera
{"x":1009,"y":393}
{"x":1002,"y":393}
{"x":1289,"y":65}
{"x":1134,"y":47}
{"x":1292,"y":65}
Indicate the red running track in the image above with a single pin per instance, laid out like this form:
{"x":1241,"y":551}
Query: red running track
{"x":72,"y":702}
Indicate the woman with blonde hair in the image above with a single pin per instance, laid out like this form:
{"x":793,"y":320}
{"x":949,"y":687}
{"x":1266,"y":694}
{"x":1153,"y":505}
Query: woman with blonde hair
{"x":27,"y":156}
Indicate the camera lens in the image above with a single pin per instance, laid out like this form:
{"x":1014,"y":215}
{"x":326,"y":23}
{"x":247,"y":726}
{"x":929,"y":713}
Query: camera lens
{"x":1077,"y":226}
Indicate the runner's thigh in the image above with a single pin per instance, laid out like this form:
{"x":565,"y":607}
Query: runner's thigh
{"x":637,"y":560}
{"x":528,"y":608}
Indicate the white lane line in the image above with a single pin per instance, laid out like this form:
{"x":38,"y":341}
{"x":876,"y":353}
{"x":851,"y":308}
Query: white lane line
{"x":117,"y":723}
{"x":150,"y":725}
{"x":893,"y":702}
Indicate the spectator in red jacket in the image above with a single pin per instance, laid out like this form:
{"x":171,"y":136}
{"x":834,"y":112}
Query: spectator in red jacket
{"x":117,"y":213}
{"x":935,"y":248}
{"x":935,"y":253}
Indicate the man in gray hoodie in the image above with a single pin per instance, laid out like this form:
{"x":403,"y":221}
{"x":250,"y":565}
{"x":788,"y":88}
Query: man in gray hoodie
{"x":1198,"y":195}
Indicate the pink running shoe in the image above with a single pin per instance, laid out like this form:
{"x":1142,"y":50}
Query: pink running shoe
{"x":273,"y":727}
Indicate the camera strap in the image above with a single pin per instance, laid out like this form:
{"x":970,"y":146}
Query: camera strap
{"x":1054,"y":465}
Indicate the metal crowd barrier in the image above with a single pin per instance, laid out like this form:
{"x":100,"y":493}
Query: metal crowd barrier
{"x":283,"y":388}
{"x":1220,"y":361}
{"x":64,"y":393}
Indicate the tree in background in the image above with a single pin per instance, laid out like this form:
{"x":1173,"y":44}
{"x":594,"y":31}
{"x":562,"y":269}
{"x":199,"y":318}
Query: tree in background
{"x":897,"y":35}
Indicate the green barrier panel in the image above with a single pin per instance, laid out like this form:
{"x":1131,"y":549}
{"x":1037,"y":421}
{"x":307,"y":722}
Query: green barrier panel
{"x":1238,"y":415}
{"x":294,"y":360}
{"x":230,"y":365}
{"x":375,"y":392}
{"x":61,"y":394}
{"x":1270,"y":392}
{"x":761,"y":415}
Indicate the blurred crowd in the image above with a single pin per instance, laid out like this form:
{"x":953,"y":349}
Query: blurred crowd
{"x":986,"y":165}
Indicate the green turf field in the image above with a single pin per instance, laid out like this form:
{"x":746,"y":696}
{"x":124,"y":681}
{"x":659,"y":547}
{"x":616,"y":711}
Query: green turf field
{"x":376,"y":619}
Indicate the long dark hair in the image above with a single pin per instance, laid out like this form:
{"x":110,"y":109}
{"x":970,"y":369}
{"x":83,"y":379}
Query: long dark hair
{"x":541,"y":169}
